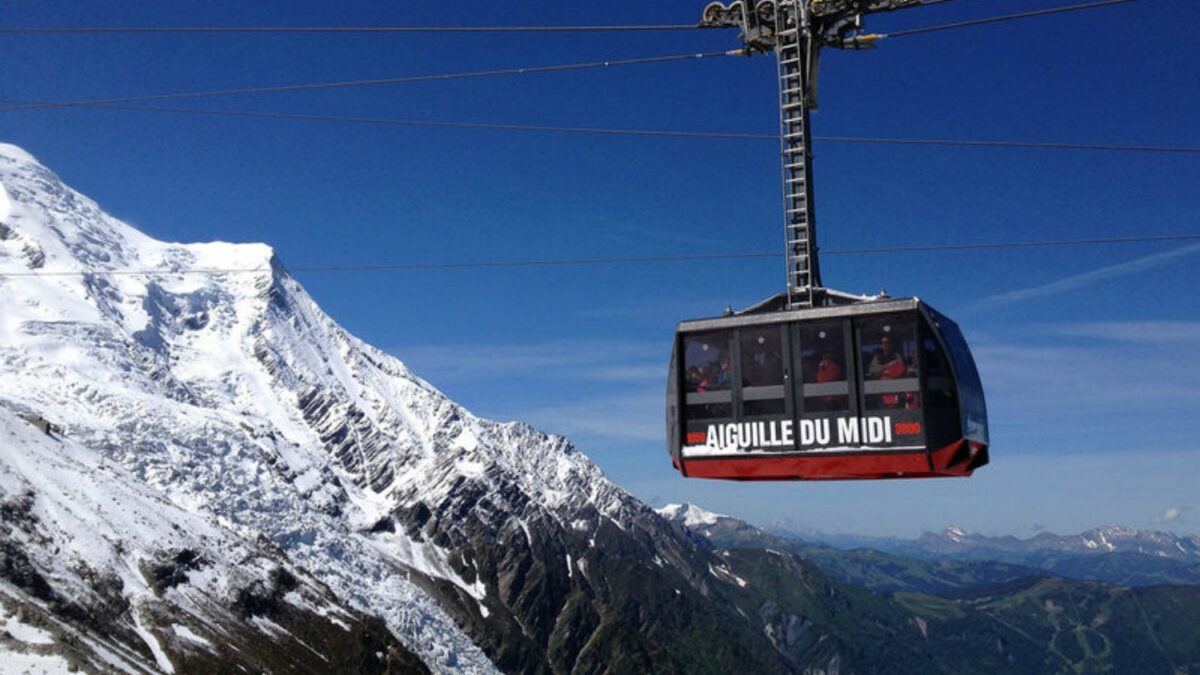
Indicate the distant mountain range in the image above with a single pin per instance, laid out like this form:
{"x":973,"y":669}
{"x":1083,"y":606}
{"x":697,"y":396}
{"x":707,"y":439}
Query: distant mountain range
{"x":1037,"y":623}
{"x":954,"y":559}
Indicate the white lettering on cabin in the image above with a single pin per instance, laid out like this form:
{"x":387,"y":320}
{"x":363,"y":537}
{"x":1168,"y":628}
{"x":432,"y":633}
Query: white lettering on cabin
{"x":847,"y":430}
{"x":814,"y":432}
{"x":855,"y":430}
{"x":758,"y":436}
{"x":748,"y":435}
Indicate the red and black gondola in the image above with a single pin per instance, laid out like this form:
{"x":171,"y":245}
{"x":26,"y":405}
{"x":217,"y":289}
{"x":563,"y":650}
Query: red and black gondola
{"x":882,"y":388}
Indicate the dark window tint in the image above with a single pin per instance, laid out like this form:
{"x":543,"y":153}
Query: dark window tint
{"x":762,"y":371}
{"x":707,"y":364}
{"x":891,"y":362}
{"x":762,"y":356}
{"x":939,"y":378}
{"x":823,"y":360}
{"x":709,"y":411}
{"x":767,"y":406}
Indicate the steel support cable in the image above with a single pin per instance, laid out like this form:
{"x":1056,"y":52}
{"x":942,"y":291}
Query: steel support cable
{"x":1006,"y":17}
{"x":102,"y":30}
{"x":408,"y":79}
{"x":369,"y":30}
{"x":172,"y":30}
{"x":623,"y":260}
{"x":537,"y":69}
{"x":662,"y":133}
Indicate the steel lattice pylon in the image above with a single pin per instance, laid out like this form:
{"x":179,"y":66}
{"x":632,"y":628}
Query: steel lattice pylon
{"x":794,"y":57}
{"x":796,"y":30}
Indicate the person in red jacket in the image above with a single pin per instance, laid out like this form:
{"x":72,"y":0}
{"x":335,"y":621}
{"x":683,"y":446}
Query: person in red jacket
{"x":887,"y":364}
{"x":828,"y":370}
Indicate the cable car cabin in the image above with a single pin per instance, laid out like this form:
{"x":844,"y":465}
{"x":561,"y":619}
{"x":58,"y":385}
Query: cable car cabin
{"x":876,"y":389}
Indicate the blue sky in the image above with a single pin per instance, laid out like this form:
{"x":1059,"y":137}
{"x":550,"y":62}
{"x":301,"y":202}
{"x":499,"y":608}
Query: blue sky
{"x":1086,"y":352}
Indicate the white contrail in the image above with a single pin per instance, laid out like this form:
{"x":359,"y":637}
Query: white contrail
{"x":1078,"y":281}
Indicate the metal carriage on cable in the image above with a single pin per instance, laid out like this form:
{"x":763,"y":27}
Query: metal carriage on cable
{"x":884,"y":388}
{"x":816,"y":384}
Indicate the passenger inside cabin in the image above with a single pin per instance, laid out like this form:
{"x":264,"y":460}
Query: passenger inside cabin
{"x":886,"y":364}
{"x":889,"y":364}
{"x":724,"y":372}
{"x":828,"y":370}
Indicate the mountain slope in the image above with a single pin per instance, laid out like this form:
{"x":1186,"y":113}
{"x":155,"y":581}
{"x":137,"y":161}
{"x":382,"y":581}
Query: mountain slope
{"x":231,"y":394}
{"x":99,"y":572}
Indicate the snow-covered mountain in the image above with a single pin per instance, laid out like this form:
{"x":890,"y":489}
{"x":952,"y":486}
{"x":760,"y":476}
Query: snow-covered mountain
{"x":689,"y":515}
{"x":211,"y":389}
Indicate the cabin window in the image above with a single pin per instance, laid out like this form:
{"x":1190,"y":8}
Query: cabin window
{"x":762,"y":371}
{"x":970,"y":390}
{"x":939,"y":390}
{"x":823,"y":361}
{"x":890,"y":362}
{"x":708,"y":375}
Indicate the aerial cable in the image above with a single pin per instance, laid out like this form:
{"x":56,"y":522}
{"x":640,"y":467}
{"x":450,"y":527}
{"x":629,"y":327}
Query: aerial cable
{"x":108,"y":30}
{"x":536,"y":69}
{"x":661,"y":133}
{"x":1006,"y":17}
{"x":620,"y":260}
{"x":169,"y":30}
{"x":369,"y":30}
{"x":377,"y":81}
{"x":1033,"y":145}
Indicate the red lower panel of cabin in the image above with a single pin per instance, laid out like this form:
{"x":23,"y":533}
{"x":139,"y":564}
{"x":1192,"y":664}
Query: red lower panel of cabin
{"x":960,"y":458}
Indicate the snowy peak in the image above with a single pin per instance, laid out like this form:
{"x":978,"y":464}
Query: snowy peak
{"x":1159,"y":544}
{"x":689,"y":515}
{"x":16,"y":153}
{"x":955,"y":533}
{"x":73,"y":232}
